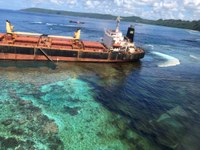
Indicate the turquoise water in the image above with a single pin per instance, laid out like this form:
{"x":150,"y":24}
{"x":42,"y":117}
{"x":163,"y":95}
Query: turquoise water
{"x":152,"y":104}
{"x":72,"y":115}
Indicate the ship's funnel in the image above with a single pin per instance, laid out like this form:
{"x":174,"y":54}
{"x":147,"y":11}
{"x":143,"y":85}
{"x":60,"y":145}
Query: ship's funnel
{"x":130,"y":33}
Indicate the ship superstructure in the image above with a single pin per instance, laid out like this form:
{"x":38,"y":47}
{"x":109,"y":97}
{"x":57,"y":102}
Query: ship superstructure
{"x":115,"y":41}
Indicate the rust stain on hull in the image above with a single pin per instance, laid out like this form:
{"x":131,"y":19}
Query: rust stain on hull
{"x":55,"y":58}
{"x":29,"y":47}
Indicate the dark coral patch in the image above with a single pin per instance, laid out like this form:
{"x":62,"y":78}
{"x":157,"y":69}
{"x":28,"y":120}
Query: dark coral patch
{"x":73,"y":111}
{"x":34,"y":109}
{"x":25,"y":102}
{"x":9,"y":143}
{"x":17,"y":131}
{"x":7,"y":122}
{"x":28,"y":123}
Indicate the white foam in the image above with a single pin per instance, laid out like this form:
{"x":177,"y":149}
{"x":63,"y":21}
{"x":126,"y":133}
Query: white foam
{"x":37,"y":22}
{"x":171,"y":61}
{"x":194,"y":57}
{"x":151,"y":46}
{"x":50,"y":24}
{"x":194,"y":32}
{"x":67,"y":25}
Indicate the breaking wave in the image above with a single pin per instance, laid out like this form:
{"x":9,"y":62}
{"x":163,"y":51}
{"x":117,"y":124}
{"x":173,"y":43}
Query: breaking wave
{"x":194,"y":32}
{"x":66,"y":25}
{"x":61,"y":25}
{"x":37,"y":22}
{"x":194,"y":57}
{"x":171,"y":61}
{"x":151,"y":46}
{"x":51,"y":24}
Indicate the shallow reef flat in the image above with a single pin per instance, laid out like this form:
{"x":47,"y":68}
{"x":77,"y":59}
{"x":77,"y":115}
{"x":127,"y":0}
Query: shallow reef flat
{"x":44,"y":109}
{"x":24,"y":126}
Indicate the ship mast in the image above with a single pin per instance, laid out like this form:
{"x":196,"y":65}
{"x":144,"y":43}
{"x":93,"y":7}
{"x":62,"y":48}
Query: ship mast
{"x":118,"y":22}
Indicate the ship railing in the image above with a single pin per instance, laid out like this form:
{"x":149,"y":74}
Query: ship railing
{"x":110,"y":32}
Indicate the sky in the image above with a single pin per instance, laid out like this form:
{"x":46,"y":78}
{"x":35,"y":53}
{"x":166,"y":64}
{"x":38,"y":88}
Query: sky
{"x":148,"y":9}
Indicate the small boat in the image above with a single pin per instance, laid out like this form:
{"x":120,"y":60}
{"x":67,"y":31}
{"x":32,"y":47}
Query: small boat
{"x":34,"y":46}
{"x":76,"y":22}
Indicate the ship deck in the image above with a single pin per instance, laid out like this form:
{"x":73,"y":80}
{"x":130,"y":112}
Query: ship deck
{"x":54,"y":48}
{"x":54,"y":43}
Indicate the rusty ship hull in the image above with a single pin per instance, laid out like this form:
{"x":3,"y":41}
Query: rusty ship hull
{"x":29,"y":47}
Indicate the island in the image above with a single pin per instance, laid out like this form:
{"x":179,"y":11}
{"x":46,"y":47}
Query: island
{"x":193,"y":25}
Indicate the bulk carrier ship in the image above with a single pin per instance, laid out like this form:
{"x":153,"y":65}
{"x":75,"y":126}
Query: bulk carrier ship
{"x":33,"y":46}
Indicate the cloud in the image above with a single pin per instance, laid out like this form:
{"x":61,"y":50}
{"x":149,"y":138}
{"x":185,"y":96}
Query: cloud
{"x":55,"y":2}
{"x":58,"y":2}
{"x":150,"y":9}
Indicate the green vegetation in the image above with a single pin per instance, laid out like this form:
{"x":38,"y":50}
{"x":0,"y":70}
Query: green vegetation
{"x":193,"y":25}
{"x":69,"y":13}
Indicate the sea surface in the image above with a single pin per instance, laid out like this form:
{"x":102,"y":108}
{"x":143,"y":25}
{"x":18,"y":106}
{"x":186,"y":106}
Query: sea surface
{"x":153,"y":104}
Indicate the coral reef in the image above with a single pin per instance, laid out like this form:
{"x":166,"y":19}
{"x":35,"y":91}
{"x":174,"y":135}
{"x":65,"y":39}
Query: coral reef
{"x":81,"y":108}
{"x":27,"y":128}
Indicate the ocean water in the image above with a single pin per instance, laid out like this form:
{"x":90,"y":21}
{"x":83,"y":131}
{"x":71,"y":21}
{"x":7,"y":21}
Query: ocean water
{"x":148,"y":105}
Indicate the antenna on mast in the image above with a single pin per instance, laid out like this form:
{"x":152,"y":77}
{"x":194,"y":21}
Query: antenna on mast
{"x":118,"y":22}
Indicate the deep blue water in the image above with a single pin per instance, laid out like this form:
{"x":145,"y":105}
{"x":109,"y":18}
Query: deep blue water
{"x":151,"y":104}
